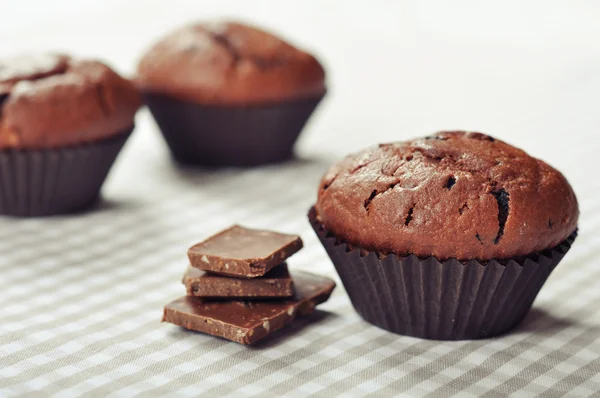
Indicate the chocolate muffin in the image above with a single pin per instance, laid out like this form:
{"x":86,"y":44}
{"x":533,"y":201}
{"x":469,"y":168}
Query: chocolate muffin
{"x":227,"y":94}
{"x":62,"y":124}
{"x":446,"y":237}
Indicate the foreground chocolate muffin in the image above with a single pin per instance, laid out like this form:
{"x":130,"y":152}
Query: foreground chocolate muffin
{"x":62,"y":124}
{"x":446,"y":237}
{"x":229,"y":94}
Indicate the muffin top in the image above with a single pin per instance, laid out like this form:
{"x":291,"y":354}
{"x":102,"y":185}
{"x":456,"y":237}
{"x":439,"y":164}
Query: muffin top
{"x":229,"y":64}
{"x":452,"y":195}
{"x":52,"y":100}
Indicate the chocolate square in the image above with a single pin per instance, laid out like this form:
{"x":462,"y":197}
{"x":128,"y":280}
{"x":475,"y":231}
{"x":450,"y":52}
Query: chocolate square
{"x":275,"y":283}
{"x":247,"y":322}
{"x":243,"y":252}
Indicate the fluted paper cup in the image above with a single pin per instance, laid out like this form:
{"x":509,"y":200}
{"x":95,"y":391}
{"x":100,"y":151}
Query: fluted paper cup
{"x":35,"y":183}
{"x":441,"y":300}
{"x":230,"y":135}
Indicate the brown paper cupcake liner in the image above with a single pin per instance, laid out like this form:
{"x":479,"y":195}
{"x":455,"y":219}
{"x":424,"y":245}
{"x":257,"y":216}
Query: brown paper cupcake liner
{"x":441,"y":300}
{"x":35,"y":183}
{"x":229,"y":135}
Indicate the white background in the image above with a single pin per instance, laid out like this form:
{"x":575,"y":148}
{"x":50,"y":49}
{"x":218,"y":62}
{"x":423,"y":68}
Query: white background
{"x":527,"y":72}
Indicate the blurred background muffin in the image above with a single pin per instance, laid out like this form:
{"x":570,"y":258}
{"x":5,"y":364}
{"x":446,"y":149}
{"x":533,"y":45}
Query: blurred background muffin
{"x":228,"y":94}
{"x":62,"y":124}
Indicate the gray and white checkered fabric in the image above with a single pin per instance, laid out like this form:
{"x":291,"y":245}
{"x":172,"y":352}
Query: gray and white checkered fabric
{"x":82,"y":300}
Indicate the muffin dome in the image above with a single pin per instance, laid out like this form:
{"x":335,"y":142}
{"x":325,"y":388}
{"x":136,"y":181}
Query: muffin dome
{"x":50,"y":100}
{"x":229,"y":63}
{"x":452,"y":195}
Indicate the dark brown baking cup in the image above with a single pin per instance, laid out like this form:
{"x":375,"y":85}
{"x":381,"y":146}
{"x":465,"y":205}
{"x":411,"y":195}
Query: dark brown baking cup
{"x":441,"y":300}
{"x":230,"y":135}
{"x":36,"y":183}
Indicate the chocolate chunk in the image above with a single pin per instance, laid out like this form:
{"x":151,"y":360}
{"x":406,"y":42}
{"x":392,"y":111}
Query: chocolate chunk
{"x":275,"y":283}
{"x":248,"y":322}
{"x":243,"y":252}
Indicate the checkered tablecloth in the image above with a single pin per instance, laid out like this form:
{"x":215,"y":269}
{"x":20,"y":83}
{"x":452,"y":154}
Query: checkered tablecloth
{"x":81,"y":296}
{"x":82,"y":299}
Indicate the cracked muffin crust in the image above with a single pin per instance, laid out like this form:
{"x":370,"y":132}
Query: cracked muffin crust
{"x":52,"y":100}
{"x":229,"y":64}
{"x":452,"y":195}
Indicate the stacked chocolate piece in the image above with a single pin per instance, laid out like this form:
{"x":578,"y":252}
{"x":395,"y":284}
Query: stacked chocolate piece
{"x":239,"y":286}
